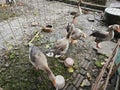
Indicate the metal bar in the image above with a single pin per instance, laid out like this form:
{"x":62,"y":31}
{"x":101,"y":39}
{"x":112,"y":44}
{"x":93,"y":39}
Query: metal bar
{"x":33,"y":38}
{"x":110,"y":71}
{"x":12,"y":30}
{"x":97,"y":82}
{"x":4,"y":39}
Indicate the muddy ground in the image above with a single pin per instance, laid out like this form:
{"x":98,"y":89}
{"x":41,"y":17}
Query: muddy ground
{"x":17,"y":73}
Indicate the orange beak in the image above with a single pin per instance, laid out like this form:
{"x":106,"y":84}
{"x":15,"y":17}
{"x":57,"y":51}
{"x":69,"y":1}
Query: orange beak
{"x":118,"y":30}
{"x":54,"y":82}
{"x":84,"y":35}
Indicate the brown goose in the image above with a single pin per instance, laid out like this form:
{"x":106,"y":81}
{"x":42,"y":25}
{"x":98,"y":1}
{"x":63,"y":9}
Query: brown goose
{"x":78,"y":13}
{"x":39,"y":61}
{"x":100,"y":37}
{"x":76,"y":33}
{"x":61,"y":46}
{"x":117,"y":33}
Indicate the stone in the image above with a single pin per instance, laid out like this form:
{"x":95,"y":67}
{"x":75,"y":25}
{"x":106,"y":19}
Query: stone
{"x":95,"y":59}
{"x":79,"y":81}
{"x":80,"y":89}
{"x":74,"y":75}
{"x":103,"y":50}
{"x":81,"y":62}
{"x":74,"y":88}
{"x":66,"y":86}
{"x":85,"y":64}
{"x":7,"y":65}
{"x":70,"y":87}
{"x":85,"y":83}
{"x":76,"y":79}
{"x":91,"y":19}
{"x":82,"y":71}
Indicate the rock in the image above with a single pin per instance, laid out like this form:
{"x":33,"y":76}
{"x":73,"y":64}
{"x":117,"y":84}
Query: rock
{"x":82,"y":71}
{"x":76,"y":79}
{"x":91,"y":19}
{"x":70,"y":87}
{"x":34,"y":23}
{"x":74,"y":88}
{"x":98,"y":64}
{"x":107,"y":48}
{"x":74,"y":74}
{"x":85,"y":64}
{"x":89,"y":76}
{"x":95,"y":59}
{"x":1,"y":88}
{"x":79,"y":81}
{"x":7,"y":65}
{"x":85,"y":83}
{"x":66,"y":86}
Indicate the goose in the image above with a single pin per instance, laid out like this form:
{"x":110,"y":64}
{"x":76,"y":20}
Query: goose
{"x":61,"y":46}
{"x":78,"y":13}
{"x":39,"y":61}
{"x":100,"y":37}
{"x":76,"y":33}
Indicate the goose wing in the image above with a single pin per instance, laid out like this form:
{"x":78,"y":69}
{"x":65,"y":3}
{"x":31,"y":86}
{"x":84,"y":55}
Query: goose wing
{"x":98,"y":34}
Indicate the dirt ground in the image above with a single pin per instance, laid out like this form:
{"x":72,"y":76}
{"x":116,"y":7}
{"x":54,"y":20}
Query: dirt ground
{"x":17,"y":73}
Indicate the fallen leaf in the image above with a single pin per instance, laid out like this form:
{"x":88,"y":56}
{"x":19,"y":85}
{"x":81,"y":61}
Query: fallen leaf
{"x":85,"y":83}
{"x":89,"y":76}
{"x":12,"y":56}
{"x":37,"y":36}
{"x":10,"y":47}
{"x":102,"y":63}
{"x":41,"y":35}
{"x":35,"y":13}
{"x":47,"y":46}
{"x":98,"y":64}
{"x":70,"y":70}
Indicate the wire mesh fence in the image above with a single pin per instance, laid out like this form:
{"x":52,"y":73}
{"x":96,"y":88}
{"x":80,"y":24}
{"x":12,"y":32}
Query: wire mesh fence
{"x":24,"y":17}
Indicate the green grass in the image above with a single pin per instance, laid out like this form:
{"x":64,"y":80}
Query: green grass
{"x":6,"y":13}
{"x":20,"y":74}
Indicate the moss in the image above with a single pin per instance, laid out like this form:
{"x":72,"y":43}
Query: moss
{"x":6,"y":13}
{"x":20,"y":75}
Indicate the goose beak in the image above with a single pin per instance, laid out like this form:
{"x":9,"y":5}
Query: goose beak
{"x":54,"y":82}
{"x":118,"y":29}
{"x":84,"y":35}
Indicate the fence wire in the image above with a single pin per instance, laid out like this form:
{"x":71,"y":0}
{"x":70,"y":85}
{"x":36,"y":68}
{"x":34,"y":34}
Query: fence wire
{"x":16,"y":20}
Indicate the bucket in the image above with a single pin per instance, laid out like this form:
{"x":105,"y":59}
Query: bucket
{"x":60,"y":82}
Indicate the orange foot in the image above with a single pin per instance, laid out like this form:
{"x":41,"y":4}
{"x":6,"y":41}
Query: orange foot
{"x":73,"y":42}
{"x":36,"y":68}
{"x":54,"y":82}
{"x":98,"y":45}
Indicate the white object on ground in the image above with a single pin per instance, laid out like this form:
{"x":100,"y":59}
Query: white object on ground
{"x":69,"y":62}
{"x":60,"y":82}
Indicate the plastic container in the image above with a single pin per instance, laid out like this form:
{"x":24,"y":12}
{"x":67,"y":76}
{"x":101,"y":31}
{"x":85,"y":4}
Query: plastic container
{"x":60,"y":82}
{"x":69,"y":62}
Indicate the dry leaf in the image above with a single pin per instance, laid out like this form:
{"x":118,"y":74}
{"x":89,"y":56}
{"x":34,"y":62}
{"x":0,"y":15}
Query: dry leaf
{"x":10,"y":47}
{"x":89,"y":76}
{"x":41,"y":35}
{"x":47,"y":46}
{"x":70,"y":70}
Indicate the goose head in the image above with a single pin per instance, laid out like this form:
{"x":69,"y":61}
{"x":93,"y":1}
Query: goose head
{"x":115,"y":27}
{"x":52,"y":78}
{"x":70,"y":27}
{"x":84,"y":35}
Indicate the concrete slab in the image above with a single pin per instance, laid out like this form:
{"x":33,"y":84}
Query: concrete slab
{"x":107,"y":48}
